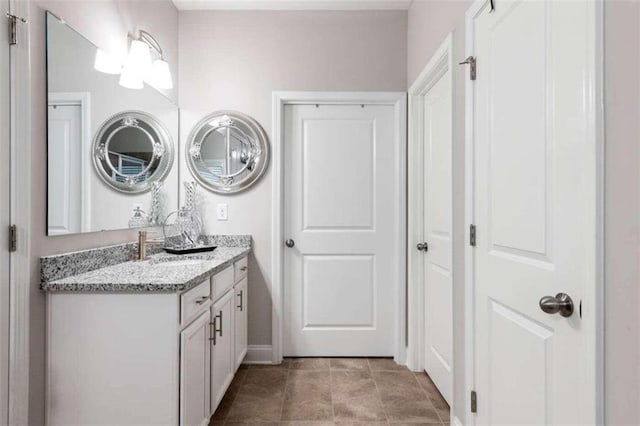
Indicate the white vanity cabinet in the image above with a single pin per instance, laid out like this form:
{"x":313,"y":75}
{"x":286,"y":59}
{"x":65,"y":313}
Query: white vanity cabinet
{"x":241,"y":329}
{"x":222,"y":354}
{"x":229,"y":320}
{"x":156,"y":358}
{"x":195,"y":377}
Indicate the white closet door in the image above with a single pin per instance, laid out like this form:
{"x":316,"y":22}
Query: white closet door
{"x":64,"y":172}
{"x":342,"y":213}
{"x":535,"y":211}
{"x":438,"y":281}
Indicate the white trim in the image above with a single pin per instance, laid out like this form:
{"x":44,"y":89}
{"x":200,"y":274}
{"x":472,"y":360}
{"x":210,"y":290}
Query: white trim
{"x":599,"y":130}
{"x":456,"y":421}
{"x":469,"y":294}
{"x":280,"y":99}
{"x":259,"y":354}
{"x":439,"y":65}
{"x":292,"y":4}
{"x":84,"y":99}
{"x":596,"y":293}
{"x":20,"y":282}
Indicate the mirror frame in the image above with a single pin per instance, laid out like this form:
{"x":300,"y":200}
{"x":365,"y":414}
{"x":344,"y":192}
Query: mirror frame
{"x":261,"y":144}
{"x":164,"y":155}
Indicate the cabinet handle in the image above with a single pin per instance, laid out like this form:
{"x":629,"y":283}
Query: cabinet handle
{"x":241,"y":305}
{"x":213,"y":332}
{"x":244,"y":268}
{"x":202,"y":300}
{"x":220,"y":330}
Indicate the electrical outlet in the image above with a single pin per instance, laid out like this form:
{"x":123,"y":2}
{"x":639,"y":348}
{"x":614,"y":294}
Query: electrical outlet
{"x":221,"y":212}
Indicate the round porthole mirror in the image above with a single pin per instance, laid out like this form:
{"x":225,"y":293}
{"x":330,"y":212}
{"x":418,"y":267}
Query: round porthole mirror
{"x":227,"y":152}
{"x":131,"y":151}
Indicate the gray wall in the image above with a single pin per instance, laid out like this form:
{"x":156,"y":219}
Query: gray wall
{"x":105,"y":23}
{"x":622,"y":211}
{"x":235,"y":60}
{"x":429,"y":23}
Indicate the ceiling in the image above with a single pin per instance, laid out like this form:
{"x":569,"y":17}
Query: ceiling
{"x":292,"y":4}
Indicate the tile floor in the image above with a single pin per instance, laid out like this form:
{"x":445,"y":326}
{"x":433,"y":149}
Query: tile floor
{"x":327,"y":391}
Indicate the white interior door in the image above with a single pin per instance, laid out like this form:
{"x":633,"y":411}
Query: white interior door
{"x":64,"y":174}
{"x":5,"y":215}
{"x":535,"y":209}
{"x":342,"y":212}
{"x":437,"y":208}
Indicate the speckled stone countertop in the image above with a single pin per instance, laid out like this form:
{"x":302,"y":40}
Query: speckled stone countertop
{"x":162,"y":272}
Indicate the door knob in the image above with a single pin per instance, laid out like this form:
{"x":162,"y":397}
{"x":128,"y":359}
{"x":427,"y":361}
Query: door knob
{"x":290,"y":243}
{"x":422,"y":246}
{"x":561,"y":303}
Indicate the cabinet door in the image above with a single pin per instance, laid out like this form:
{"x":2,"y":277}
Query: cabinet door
{"x":240,"y":325}
{"x":222,"y":347}
{"x":195,"y":362}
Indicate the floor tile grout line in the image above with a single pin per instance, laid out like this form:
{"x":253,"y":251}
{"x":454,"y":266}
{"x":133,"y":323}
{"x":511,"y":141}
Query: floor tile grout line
{"x":333,"y":411}
{"x":240,"y":385}
{"x":375,"y":383}
{"x":429,"y":397}
{"x":284,"y":392}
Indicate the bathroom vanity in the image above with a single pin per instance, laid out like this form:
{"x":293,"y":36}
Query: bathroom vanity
{"x":154,"y":342}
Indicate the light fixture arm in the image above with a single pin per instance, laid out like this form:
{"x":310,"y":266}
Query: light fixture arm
{"x":150,"y":41}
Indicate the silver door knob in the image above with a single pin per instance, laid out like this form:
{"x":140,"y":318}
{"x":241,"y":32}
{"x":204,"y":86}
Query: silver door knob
{"x":422,"y":246}
{"x":289,"y":243}
{"x":561,"y":303}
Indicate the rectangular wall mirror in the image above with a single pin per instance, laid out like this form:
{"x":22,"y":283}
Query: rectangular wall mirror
{"x":110,"y":148}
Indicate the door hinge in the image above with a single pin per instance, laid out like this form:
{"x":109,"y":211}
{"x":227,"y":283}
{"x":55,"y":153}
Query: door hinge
{"x":472,"y":62}
{"x":472,"y":235}
{"x":13,"y":238}
{"x":13,"y":23}
{"x":474,"y":402}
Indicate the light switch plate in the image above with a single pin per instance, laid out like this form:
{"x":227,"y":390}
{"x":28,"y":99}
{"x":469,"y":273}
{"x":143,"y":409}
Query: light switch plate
{"x":221,"y":212}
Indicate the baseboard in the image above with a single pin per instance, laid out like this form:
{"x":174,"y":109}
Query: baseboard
{"x":456,"y":421}
{"x":259,"y":354}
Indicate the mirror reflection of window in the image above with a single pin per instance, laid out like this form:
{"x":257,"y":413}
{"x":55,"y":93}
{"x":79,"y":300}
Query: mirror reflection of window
{"x":130,"y":153}
{"x":226,"y":151}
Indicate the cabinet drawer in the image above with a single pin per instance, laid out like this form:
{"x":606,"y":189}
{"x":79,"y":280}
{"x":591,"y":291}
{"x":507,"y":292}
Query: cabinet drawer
{"x":241,"y":269}
{"x":221,"y":282}
{"x":194,"y":301}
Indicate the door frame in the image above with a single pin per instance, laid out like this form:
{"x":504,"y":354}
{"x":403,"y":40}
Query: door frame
{"x":84,"y":100}
{"x":596,"y":291}
{"x":20,"y":269}
{"x":440,"y":63}
{"x":281,"y":99}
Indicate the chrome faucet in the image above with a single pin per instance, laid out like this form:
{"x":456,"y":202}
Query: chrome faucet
{"x":142,"y":244}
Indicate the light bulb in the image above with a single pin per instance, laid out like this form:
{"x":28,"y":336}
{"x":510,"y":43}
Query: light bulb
{"x":139,"y":57}
{"x":106,"y":63}
{"x":159,"y":76}
{"x":131,"y":78}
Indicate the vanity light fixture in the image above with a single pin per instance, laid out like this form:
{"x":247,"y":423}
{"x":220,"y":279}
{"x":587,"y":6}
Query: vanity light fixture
{"x":139,"y":65}
{"x":139,"y":57}
{"x":106,"y":63}
{"x":131,"y":78}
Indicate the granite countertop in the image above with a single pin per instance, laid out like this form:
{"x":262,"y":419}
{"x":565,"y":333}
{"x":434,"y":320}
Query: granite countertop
{"x":159,"y":273}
